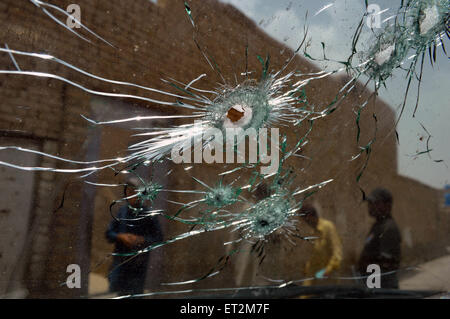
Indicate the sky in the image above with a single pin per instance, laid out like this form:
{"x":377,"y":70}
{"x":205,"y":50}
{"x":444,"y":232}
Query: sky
{"x":335,"y":26}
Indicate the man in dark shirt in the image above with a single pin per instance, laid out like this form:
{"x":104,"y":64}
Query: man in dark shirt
{"x":130,"y":232}
{"x":383,"y":242}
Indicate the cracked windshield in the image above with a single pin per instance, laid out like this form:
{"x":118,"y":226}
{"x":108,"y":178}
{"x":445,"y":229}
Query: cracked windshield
{"x":224,"y":149}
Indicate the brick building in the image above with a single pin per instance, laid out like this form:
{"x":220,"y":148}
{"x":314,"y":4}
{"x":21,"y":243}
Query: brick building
{"x":52,"y":220}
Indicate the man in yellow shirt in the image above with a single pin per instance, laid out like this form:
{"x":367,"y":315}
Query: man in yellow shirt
{"x":327,"y":253}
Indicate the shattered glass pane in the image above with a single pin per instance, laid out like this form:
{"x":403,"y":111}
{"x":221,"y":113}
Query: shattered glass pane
{"x":223,"y":148}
